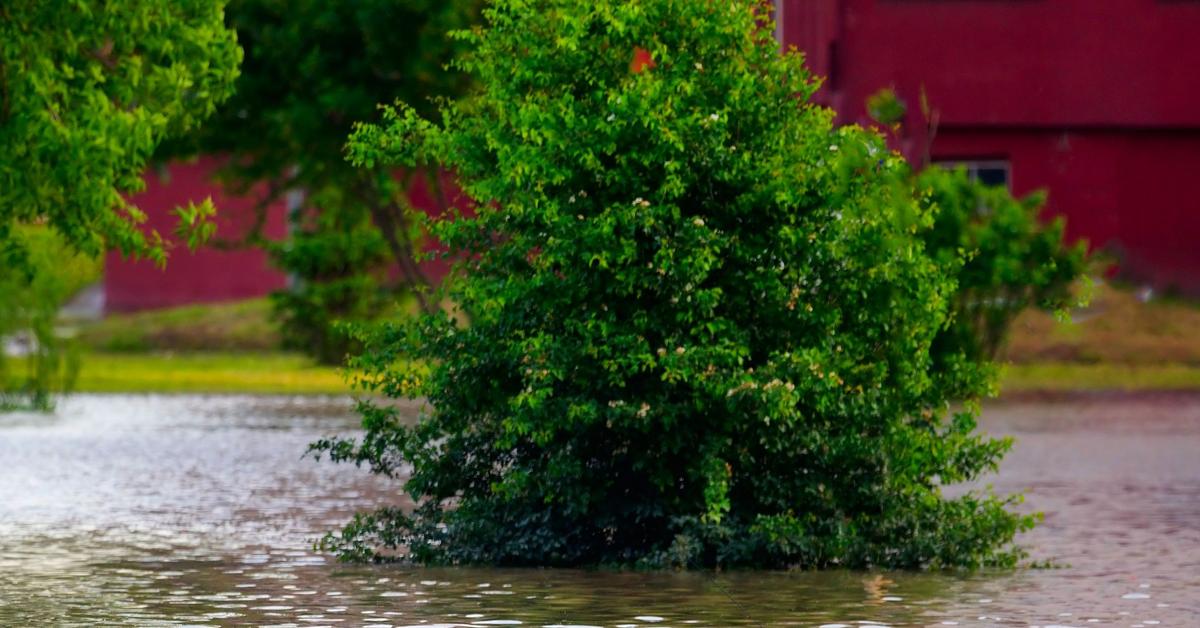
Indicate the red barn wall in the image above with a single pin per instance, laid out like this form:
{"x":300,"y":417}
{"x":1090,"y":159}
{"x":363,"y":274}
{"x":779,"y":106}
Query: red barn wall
{"x":1096,"y":100}
{"x":210,"y":274}
{"x":204,"y":275}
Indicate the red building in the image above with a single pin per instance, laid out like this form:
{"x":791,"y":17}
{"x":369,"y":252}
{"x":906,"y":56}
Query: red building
{"x":217,"y":273}
{"x":1096,"y":100}
{"x":208,"y":274}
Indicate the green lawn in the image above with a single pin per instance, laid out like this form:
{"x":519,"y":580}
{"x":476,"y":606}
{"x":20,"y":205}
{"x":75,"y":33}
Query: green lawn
{"x":285,"y":373}
{"x":233,"y":326}
{"x":208,"y":373}
{"x":288,"y":373}
{"x":1060,"y":377}
{"x":1119,"y":343}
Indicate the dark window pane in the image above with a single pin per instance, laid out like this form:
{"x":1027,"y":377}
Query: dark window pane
{"x":992,"y":175}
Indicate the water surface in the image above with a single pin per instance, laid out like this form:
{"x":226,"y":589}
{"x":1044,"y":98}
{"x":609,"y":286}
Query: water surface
{"x":193,"y":510}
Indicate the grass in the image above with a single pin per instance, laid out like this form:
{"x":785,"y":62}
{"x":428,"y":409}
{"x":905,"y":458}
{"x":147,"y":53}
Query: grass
{"x":282,"y":373}
{"x":1064,"y":377}
{"x":237,"y":326}
{"x":278,"y":373}
{"x":1117,"y":328}
{"x":1117,"y":343}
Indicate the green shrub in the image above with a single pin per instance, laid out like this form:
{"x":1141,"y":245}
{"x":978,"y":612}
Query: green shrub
{"x":339,"y":274}
{"x":1011,"y":259}
{"x":29,"y":305}
{"x":695,"y":320}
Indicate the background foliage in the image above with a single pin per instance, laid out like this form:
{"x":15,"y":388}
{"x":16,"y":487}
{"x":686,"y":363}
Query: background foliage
{"x":696,"y":322}
{"x":312,"y":68}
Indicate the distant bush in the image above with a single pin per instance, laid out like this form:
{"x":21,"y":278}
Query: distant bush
{"x":696,"y":321}
{"x":1005,"y":257}
{"x":29,"y":305}
{"x":1011,"y":260}
{"x":339,"y":274}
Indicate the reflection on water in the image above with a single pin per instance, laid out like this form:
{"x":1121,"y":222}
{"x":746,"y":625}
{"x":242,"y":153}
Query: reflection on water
{"x":193,"y":510}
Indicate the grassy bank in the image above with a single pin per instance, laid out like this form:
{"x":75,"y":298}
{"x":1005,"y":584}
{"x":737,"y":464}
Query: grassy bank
{"x":1065,"y":377}
{"x":278,"y":373}
{"x":291,"y":374}
{"x":1118,"y":343}
{"x":1117,"y":328}
{"x":236,"y":326}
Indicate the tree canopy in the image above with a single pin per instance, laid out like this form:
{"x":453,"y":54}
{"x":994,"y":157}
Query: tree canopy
{"x":88,"y":90}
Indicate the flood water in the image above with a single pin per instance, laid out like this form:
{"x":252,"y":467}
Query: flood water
{"x":191,"y":510}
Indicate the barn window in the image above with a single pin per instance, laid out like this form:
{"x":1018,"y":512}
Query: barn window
{"x":990,"y":172}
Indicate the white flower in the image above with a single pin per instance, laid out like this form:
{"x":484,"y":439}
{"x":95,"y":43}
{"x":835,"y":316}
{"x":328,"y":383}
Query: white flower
{"x":714,"y":117}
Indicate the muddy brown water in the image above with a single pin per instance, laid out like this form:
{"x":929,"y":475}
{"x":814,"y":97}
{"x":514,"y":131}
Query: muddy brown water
{"x":193,"y":510}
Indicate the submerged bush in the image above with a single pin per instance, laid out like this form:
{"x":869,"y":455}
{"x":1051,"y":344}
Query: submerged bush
{"x":695,"y":320}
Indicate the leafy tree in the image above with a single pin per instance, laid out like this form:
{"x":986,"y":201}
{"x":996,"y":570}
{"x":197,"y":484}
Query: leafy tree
{"x":88,"y":89}
{"x":312,"y":68}
{"x":696,"y":319}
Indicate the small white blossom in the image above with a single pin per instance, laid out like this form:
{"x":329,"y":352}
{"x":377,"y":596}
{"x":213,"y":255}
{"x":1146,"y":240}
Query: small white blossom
{"x":714,"y":117}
